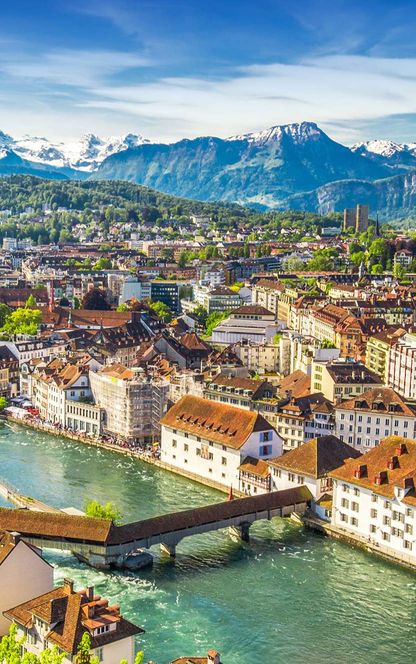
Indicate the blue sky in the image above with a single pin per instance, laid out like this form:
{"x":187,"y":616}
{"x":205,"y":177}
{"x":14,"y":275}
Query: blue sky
{"x":174,"y":69}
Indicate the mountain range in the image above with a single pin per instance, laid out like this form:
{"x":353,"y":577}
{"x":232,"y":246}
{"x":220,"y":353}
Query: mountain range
{"x":287,"y":166}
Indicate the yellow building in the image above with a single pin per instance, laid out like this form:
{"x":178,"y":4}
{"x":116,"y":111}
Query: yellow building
{"x":378,"y":350}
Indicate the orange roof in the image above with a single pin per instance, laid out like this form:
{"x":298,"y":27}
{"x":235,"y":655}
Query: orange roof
{"x":379,"y":400}
{"x":393,"y":461}
{"x":217,"y":422}
{"x":298,"y":383}
{"x":67,"y":614}
{"x":317,"y":457}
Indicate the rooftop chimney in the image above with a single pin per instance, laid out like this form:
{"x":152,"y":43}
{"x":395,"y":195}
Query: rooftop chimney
{"x":69,"y":584}
{"x":393,"y":463}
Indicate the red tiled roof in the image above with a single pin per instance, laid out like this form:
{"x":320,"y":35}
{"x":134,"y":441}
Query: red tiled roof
{"x":217,"y":422}
{"x":395,"y":450}
{"x":317,"y":457}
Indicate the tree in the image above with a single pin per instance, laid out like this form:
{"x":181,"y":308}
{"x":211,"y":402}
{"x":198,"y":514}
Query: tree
{"x":162,"y":310}
{"x":4,"y":312}
{"x":3,"y":405}
{"x":201,"y":314}
{"x":98,"y":510}
{"x":103,"y":264}
{"x":31,"y":302}
{"x":215,"y":319}
{"x":23,"y":321}
{"x":76,"y":303}
{"x":398,"y":271}
{"x":95,"y":300}
{"x":327,"y":343}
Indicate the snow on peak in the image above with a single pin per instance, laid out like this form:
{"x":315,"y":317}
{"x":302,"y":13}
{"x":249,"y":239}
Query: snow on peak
{"x":299,"y":132}
{"x":84,"y":154}
{"x":384,"y":148}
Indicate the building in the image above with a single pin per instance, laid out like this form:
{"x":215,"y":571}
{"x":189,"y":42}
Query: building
{"x":133,"y":402}
{"x":373,"y":415}
{"x":220,"y":298}
{"x":23,"y":574}
{"x":377,"y":353}
{"x":61,"y":392}
{"x":166,"y":292}
{"x":266,"y":293}
{"x":310,"y":464}
{"x":264,"y":357}
{"x":62,"y":616}
{"x":402,"y":366}
{"x":341,"y":379}
{"x":374,"y":498}
{"x":210,"y":440}
{"x":236,"y":391}
{"x":356,"y":218}
{"x":251,"y":322}
{"x":403,"y":257}
{"x":9,"y":372}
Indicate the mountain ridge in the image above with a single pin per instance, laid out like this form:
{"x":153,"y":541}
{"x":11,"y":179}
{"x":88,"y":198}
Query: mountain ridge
{"x":293,"y":164}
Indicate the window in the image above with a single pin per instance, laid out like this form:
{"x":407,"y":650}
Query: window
{"x":386,"y":520}
{"x":409,"y":512}
{"x":265,"y":450}
{"x":345,"y":503}
{"x":186,"y":447}
{"x":356,"y":491}
{"x":99,"y":654}
{"x":354,"y":521}
{"x":187,"y":435}
{"x":386,"y":537}
{"x":291,"y":477}
{"x":397,"y":532}
{"x":174,"y":443}
{"x":387,"y":505}
{"x":300,"y":479}
{"x":198,"y":451}
{"x":373,"y":528}
{"x":355,"y":507}
{"x":407,"y":545}
{"x":224,"y":461}
{"x":210,"y":456}
{"x":345,"y":488}
{"x":373,"y":513}
{"x":265,"y":436}
{"x":343,"y":517}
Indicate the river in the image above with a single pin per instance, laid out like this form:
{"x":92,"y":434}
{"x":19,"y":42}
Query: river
{"x":288,"y":597}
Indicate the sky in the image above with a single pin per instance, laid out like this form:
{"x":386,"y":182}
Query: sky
{"x":173,"y":69}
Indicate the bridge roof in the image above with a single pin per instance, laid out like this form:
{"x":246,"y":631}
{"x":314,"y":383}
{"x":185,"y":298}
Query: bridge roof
{"x":199,"y":516}
{"x":60,"y":526}
{"x":55,"y":525}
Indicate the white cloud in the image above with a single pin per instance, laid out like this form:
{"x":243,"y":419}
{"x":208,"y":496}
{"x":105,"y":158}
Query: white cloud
{"x":66,"y":67}
{"x":343,"y":94}
{"x":328,"y":90}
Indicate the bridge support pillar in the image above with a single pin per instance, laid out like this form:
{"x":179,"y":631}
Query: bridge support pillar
{"x":169,"y":549}
{"x":241,"y":532}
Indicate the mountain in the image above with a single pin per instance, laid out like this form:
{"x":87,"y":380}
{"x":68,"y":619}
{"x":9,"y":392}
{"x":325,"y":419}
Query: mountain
{"x":392,"y":198}
{"x":11,"y":164}
{"x":387,"y":153}
{"x":260,"y":169}
{"x":293,"y":165}
{"x":83,"y":155}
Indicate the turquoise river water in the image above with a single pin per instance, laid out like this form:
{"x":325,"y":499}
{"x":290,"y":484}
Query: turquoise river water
{"x":288,"y":597}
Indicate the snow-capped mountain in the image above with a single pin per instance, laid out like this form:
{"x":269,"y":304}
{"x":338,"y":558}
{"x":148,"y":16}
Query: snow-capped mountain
{"x":85,"y":154}
{"x":389,"y":153}
{"x":298,"y":132}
